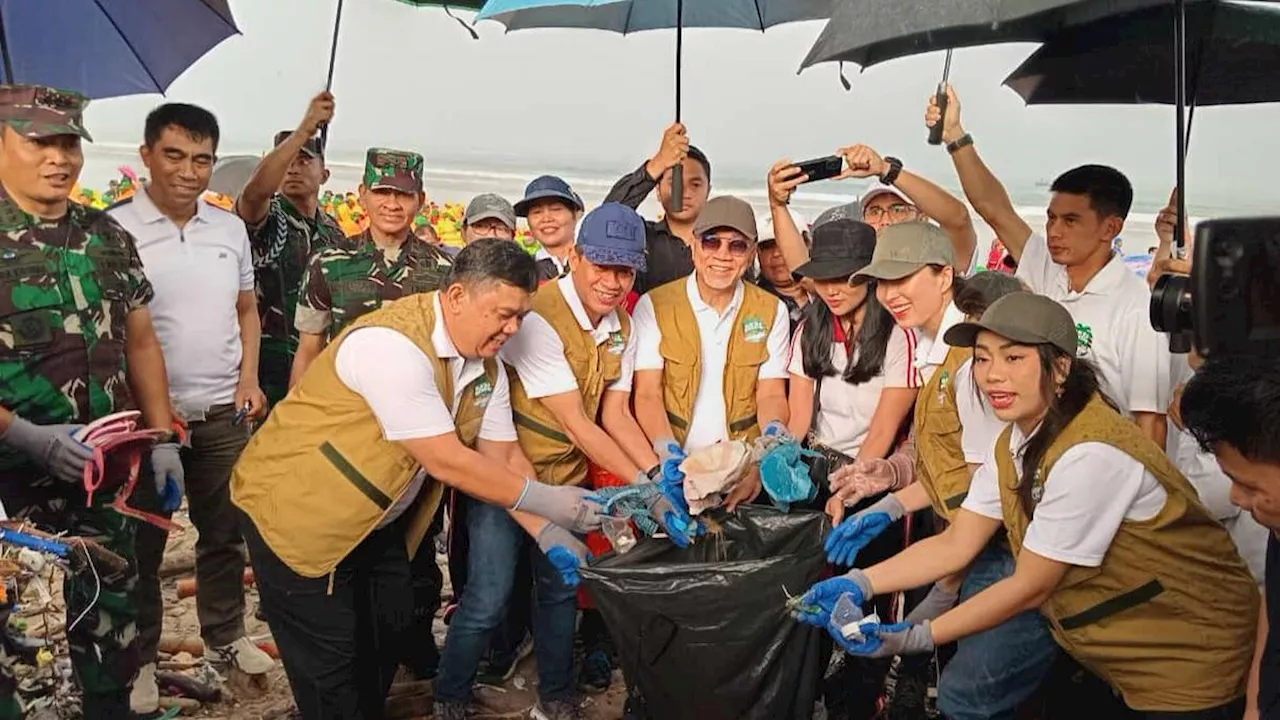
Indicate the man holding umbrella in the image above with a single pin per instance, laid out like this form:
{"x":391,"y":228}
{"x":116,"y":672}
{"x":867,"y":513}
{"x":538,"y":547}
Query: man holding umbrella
{"x":281,"y":206}
{"x":78,"y":344}
{"x":669,"y":240}
{"x":1073,"y":262}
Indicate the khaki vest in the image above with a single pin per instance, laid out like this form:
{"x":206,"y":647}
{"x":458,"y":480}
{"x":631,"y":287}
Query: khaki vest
{"x":1169,"y":618}
{"x":555,"y":458}
{"x":681,"y":350}
{"x":940,"y":464}
{"x":319,"y":476}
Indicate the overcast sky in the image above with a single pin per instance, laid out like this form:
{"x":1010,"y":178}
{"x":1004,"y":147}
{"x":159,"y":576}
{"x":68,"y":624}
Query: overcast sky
{"x":413,"y":78}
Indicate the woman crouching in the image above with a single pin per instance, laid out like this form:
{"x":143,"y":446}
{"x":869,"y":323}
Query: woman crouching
{"x":1139,"y":583}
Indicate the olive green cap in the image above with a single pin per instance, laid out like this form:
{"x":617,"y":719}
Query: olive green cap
{"x":904,"y":248}
{"x":1024,"y":318}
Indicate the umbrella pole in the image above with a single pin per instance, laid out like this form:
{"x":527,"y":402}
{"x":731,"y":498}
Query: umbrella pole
{"x":1180,"y":101}
{"x":676,"y":203}
{"x":4,"y":51}
{"x":333,"y":60}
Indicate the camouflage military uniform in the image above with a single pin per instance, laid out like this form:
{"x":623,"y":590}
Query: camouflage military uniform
{"x":282,"y":244}
{"x":65,"y":289}
{"x":341,"y":284}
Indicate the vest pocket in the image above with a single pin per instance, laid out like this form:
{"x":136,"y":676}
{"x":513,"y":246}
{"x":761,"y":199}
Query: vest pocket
{"x":1112,"y":606}
{"x":349,"y":471}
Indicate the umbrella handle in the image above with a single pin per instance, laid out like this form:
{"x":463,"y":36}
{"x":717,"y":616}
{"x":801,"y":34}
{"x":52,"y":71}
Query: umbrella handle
{"x":676,"y":203}
{"x":935,"y":132}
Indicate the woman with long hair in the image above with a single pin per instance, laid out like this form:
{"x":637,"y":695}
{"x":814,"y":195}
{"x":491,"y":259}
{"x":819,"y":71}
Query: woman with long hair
{"x":994,"y":672}
{"x":853,"y":380}
{"x":1137,"y":580}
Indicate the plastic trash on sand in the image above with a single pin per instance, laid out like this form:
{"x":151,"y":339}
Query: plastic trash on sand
{"x":702,"y":632}
{"x":712,"y":472}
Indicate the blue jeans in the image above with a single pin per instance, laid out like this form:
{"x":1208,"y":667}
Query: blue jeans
{"x":996,"y":670}
{"x":496,"y":542}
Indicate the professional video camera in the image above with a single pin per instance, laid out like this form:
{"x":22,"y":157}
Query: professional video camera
{"x":1230,"y":305}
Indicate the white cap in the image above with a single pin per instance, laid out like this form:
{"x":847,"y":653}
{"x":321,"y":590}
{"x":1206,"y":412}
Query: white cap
{"x":877,"y":191}
{"x":766,"y":225}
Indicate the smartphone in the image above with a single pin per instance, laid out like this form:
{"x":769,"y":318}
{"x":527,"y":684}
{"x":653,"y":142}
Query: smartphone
{"x":823,"y":168}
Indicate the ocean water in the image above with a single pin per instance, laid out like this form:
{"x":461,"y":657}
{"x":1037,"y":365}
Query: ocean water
{"x":461,"y":180}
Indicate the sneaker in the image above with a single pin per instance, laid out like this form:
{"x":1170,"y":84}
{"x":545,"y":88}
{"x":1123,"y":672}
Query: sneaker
{"x":452,"y":711}
{"x":491,"y":673}
{"x":596,"y":674}
{"x":145,"y":696}
{"x":556,"y":710}
{"x":243,"y":654}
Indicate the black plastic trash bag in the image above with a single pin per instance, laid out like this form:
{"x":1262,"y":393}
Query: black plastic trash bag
{"x":703,"y":632}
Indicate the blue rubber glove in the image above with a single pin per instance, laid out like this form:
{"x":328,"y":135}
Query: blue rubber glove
{"x":847,"y":539}
{"x":565,"y":551}
{"x":816,"y":605}
{"x":670,"y":455}
{"x":675,"y":520}
{"x":886,"y":641}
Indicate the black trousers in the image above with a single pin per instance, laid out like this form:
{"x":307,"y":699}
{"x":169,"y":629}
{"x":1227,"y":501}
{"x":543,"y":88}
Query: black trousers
{"x":341,"y":638}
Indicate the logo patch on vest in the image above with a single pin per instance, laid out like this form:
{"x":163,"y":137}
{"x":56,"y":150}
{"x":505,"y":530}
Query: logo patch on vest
{"x":1084,"y":339}
{"x":753,"y":329}
{"x":481,"y":392}
{"x":616,"y":343}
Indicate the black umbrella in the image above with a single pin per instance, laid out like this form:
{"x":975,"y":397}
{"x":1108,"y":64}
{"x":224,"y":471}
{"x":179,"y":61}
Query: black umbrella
{"x":1227,"y":52}
{"x":867,"y":32}
{"x":1232,"y":54}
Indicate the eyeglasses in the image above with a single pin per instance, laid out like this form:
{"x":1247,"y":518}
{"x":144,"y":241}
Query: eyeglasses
{"x":738,"y":247}
{"x":896,"y":211}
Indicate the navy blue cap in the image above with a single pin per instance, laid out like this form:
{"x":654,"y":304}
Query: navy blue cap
{"x":547,"y":186}
{"x":613,"y":234}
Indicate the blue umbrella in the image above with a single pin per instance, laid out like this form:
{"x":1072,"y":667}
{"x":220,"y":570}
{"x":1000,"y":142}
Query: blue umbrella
{"x":628,"y":16}
{"x":108,"y":48}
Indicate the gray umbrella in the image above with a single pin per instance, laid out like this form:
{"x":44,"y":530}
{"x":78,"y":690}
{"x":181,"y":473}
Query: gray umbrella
{"x":232,"y":173}
{"x":867,"y":32}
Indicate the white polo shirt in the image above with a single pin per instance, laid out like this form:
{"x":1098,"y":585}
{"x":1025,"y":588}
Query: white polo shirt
{"x":1113,"y":326}
{"x":537,"y":352}
{"x":845,"y":410}
{"x":1090,"y":491}
{"x":197,"y":272}
{"x":979,"y":425}
{"x":397,"y":380}
{"x":708,"y":424}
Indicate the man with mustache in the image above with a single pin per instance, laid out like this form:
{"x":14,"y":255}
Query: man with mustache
{"x":570,"y":391}
{"x":382,"y":264}
{"x":76,"y":344}
{"x":712,"y":350}
{"x":206,"y":315}
{"x":342,"y":482}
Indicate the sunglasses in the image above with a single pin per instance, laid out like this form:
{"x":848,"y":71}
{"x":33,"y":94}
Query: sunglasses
{"x":738,"y":247}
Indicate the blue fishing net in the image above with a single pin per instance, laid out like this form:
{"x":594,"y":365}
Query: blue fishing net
{"x":782,"y":470}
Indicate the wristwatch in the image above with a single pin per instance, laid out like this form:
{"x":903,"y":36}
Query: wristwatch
{"x":963,"y":141}
{"x":891,"y":175}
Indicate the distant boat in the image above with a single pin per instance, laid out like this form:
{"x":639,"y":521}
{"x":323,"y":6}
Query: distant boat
{"x":1043,"y":183}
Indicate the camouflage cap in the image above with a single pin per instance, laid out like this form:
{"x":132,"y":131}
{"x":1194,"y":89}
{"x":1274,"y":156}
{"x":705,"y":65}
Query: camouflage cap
{"x":393,"y":169}
{"x":36,"y":111}
{"x":312,"y":148}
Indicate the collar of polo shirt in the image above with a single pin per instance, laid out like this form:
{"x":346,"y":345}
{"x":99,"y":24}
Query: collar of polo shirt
{"x":691,"y":286}
{"x":1104,"y":282}
{"x":148,"y":213}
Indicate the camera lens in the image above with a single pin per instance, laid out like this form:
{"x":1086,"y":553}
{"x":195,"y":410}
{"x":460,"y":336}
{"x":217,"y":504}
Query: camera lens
{"x":1171,"y":304}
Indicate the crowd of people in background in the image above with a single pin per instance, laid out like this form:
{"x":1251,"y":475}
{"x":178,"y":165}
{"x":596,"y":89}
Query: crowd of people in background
{"x":330,"y":387}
